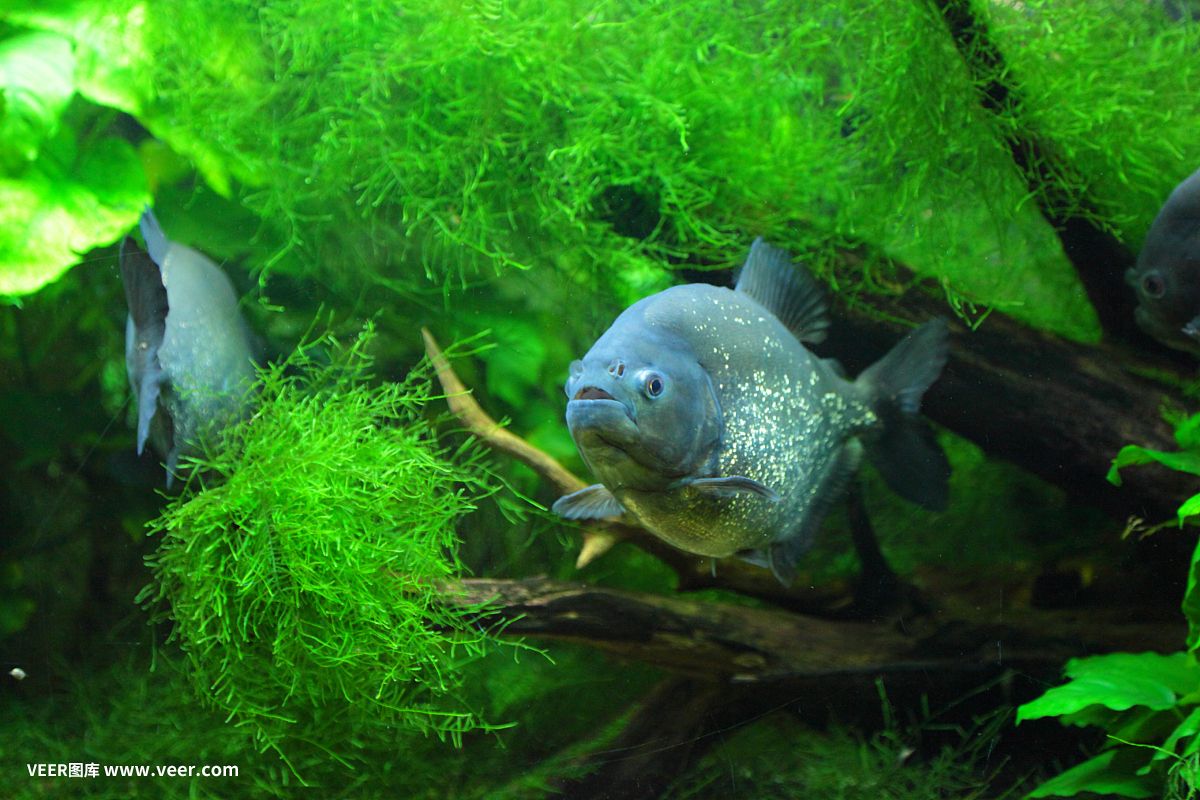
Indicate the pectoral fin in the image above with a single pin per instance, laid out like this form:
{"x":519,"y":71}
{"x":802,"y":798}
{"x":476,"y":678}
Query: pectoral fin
{"x":1192,"y":329}
{"x":593,"y":502}
{"x":732,"y":486}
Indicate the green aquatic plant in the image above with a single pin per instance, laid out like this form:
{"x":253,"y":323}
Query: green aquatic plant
{"x":1130,"y":85}
{"x":1148,"y":703}
{"x":423,"y":148}
{"x":139,"y":709}
{"x":67,"y":185}
{"x":303,"y":567}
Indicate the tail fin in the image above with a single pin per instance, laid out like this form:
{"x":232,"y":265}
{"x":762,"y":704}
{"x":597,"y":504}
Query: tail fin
{"x":905,"y":451}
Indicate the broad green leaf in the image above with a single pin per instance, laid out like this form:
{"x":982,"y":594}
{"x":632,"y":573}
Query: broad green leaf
{"x":1118,"y":681}
{"x":110,"y":55}
{"x":1191,"y":600}
{"x":1112,"y":772}
{"x":1133,"y":455}
{"x":36,"y":82}
{"x":1190,"y":508}
{"x":64,"y":206}
{"x":113,"y":68}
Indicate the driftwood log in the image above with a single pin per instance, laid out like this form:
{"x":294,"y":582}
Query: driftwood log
{"x":737,"y":644}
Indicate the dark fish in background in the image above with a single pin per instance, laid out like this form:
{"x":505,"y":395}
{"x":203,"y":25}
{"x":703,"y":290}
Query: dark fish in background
{"x":705,"y":418}
{"x":188,"y":351}
{"x":1167,"y":275}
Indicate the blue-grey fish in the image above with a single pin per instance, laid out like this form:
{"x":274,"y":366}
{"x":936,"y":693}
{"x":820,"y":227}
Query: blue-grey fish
{"x":187,"y":348}
{"x":1167,"y":275}
{"x":708,"y":422}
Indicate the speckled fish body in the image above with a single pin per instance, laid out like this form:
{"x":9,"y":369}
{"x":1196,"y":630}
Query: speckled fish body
{"x":785,"y":420}
{"x":1167,"y":275}
{"x":188,"y":351}
{"x":705,"y":418}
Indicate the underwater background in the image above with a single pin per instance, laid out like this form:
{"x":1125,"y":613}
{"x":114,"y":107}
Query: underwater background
{"x":357,"y":589}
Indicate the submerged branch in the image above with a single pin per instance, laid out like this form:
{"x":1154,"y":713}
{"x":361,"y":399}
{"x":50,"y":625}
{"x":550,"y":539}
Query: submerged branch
{"x":479,"y":422}
{"x":728,"y":643}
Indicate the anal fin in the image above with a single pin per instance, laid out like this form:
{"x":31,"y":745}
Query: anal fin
{"x":784,"y":553}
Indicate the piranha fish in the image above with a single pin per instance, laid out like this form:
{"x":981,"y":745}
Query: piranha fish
{"x":707,"y":421}
{"x":1167,"y":275}
{"x":188,"y":352}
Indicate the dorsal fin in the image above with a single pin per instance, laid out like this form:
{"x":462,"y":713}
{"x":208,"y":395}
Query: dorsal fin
{"x":156,"y":241}
{"x":786,"y":290}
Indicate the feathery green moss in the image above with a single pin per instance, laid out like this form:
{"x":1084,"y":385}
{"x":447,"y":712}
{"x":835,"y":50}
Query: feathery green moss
{"x":302,"y":567}
{"x":1116,"y":88}
{"x":416,"y":148}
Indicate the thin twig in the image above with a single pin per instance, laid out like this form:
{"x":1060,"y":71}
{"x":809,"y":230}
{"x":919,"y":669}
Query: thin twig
{"x":479,"y":422}
{"x":596,"y":542}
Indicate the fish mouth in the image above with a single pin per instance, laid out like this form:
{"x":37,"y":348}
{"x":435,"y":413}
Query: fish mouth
{"x":595,"y":398}
{"x":598,"y":415}
{"x":592,"y":393}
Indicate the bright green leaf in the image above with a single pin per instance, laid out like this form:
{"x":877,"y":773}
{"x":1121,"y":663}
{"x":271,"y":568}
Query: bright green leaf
{"x":1133,"y":455}
{"x":113,"y":68}
{"x":1191,"y":600}
{"x":1118,"y":681}
{"x":1185,"y":730}
{"x":1190,"y":508}
{"x":36,"y":81}
{"x":1112,"y":772}
{"x":63,"y":207}
{"x":107,"y":35}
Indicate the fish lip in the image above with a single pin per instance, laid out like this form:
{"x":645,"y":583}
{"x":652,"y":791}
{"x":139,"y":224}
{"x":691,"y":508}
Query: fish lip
{"x":600,"y":402}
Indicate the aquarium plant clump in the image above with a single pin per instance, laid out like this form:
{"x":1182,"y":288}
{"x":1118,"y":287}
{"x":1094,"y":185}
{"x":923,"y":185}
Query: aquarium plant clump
{"x":303,"y":567}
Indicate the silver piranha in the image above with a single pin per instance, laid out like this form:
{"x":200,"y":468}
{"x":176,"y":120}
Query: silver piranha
{"x":1167,"y":275}
{"x":707,"y":421}
{"x":187,"y":348}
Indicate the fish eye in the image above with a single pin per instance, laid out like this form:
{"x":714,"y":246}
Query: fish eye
{"x":654,"y":385}
{"x":1154,"y":285}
